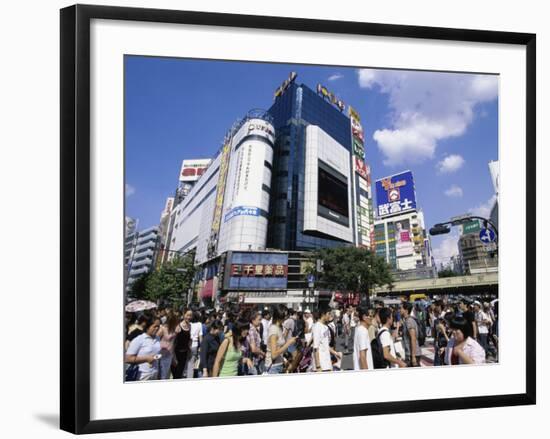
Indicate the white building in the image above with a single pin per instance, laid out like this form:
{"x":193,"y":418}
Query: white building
{"x":227,"y":209}
{"x":402,"y":240}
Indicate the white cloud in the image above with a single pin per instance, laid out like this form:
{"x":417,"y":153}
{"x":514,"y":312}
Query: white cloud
{"x":426,"y":107}
{"x":454,"y":191}
{"x":335,"y":77}
{"x":447,"y":248}
{"x":451,"y":163}
{"x":129,"y":190}
{"x":484,"y":209}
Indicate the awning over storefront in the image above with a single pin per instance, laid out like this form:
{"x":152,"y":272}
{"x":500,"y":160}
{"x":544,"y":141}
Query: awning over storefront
{"x":263,"y":297}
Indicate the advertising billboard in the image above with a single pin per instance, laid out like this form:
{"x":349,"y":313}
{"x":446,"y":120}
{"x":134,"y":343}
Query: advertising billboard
{"x":404,"y":245}
{"x":256,"y":271}
{"x":191,"y":170}
{"x":395,"y":194}
{"x":358,"y":149}
{"x":220,"y":191}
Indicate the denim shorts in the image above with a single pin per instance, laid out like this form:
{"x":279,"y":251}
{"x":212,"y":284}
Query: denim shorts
{"x":275,"y":368}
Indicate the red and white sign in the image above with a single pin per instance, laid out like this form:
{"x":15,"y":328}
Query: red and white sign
{"x":191,"y":170}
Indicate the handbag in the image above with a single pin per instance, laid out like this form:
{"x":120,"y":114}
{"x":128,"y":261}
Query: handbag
{"x":132,"y":373}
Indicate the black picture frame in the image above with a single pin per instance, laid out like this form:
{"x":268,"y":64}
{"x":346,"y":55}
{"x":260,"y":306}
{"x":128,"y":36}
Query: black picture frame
{"x":75,"y":216}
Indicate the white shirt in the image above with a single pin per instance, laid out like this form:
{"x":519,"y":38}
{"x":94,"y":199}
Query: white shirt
{"x":196,"y":330}
{"x":481,"y":326}
{"x":321,"y":340}
{"x":142,"y":346}
{"x":387,"y":340}
{"x":353,"y":322}
{"x":360,"y":343}
{"x":265,"y":326}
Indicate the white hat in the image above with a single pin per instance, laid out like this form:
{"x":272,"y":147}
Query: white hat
{"x":307,"y":311}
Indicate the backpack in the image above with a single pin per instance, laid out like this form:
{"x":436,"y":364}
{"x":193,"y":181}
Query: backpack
{"x":420,"y":332}
{"x":378,"y":352}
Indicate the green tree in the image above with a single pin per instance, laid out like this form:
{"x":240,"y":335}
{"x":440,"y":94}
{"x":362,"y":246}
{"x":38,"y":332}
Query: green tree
{"x":172,"y":279}
{"x":351,"y":269}
{"x":446,"y":272}
{"x":137,"y":290}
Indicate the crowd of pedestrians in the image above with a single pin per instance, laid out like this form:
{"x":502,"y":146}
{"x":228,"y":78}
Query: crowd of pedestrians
{"x":197,"y":342}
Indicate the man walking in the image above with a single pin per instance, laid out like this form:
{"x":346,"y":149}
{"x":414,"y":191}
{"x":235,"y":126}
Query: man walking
{"x":386,"y":340}
{"x":410,"y":336}
{"x":362,"y":355}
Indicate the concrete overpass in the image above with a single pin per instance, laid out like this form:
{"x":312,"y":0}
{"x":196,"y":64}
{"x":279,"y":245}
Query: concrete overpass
{"x":470,"y":284}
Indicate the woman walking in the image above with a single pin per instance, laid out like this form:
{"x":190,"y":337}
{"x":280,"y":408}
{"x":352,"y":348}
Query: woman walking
{"x":167,"y":335}
{"x":182,"y":344}
{"x":144,"y":351}
{"x":276,"y":344}
{"x":230,"y":353}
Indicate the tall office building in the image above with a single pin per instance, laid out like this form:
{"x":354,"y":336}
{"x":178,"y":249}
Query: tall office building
{"x":400,"y":232}
{"x":320,"y":178}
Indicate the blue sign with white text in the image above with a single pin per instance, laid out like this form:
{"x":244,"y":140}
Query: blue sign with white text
{"x":241,"y":210}
{"x":395,"y":194}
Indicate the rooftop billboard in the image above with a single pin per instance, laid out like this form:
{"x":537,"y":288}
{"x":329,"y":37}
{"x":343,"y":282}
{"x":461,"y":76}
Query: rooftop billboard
{"x":395,"y":194}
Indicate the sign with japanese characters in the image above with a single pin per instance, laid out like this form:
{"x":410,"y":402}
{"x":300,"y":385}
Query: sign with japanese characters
{"x":241,"y":210}
{"x":256,"y":271}
{"x":262,"y":270}
{"x":395,"y":194}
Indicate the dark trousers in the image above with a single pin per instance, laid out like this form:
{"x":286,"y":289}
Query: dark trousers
{"x":181,"y":363}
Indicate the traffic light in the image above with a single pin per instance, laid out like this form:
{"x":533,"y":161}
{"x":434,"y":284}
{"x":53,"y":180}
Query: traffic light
{"x":439,"y":229}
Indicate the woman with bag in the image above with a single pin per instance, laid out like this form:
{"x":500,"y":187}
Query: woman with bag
{"x":144,"y":352}
{"x":230,"y":353}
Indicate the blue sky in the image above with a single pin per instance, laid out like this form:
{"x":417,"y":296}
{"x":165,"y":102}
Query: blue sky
{"x":441,"y":126}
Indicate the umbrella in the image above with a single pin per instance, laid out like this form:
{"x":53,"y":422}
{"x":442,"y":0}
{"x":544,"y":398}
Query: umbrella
{"x":140,"y":305}
{"x":493,"y":302}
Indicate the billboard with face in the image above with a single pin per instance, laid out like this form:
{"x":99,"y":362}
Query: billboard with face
{"x":395,"y":194}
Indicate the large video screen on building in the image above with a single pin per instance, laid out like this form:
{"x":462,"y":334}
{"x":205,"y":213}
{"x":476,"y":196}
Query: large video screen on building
{"x":333,"y":191}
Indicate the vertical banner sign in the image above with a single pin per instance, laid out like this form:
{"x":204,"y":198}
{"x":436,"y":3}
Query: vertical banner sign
{"x":220,"y":191}
{"x":365,"y":224}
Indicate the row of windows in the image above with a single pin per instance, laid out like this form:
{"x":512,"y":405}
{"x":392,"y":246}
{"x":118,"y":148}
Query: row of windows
{"x":199,"y":204}
{"x":215,"y":173}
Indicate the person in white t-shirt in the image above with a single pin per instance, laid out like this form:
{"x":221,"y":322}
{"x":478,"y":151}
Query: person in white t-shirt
{"x":386,"y":340}
{"x":321,"y":342}
{"x":196,"y":340}
{"x":362,"y":355}
{"x":483,"y":322}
